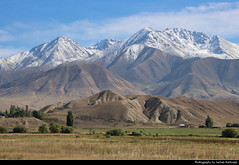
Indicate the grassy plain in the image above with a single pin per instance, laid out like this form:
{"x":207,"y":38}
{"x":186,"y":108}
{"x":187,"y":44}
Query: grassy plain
{"x":175,"y":143}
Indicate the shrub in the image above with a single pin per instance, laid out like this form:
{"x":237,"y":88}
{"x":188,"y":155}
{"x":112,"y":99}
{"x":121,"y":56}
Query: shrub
{"x":77,"y":136}
{"x":43,"y":129}
{"x":3,"y":129}
{"x":229,"y":125}
{"x":107,"y":136}
{"x":235,"y":125}
{"x":55,"y":128}
{"x":135,"y":134}
{"x":115,"y":132}
{"x":202,"y":126}
{"x":38,"y":114}
{"x":232,"y":125}
{"x":229,"y":133}
{"x":66,"y":129}
{"x":20,"y":129}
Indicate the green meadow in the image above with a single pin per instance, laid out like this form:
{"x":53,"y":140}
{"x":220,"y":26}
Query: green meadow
{"x":152,"y":143}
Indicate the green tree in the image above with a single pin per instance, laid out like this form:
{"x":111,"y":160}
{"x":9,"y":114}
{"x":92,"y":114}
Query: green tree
{"x":38,"y":114}
{"x":209,"y":122}
{"x":65,"y":129}
{"x":70,"y":119}
{"x":20,"y":129}
{"x":43,"y":129}
{"x":12,"y":111}
{"x":27,"y":112}
{"x":19,"y":112}
{"x":55,"y":128}
{"x":6,"y":113}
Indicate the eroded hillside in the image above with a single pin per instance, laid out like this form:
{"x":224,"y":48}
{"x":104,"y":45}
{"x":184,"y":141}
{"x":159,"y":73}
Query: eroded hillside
{"x":109,"y":109}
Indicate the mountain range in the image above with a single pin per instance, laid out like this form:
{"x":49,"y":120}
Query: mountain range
{"x":175,"y":41}
{"x":173,"y":62}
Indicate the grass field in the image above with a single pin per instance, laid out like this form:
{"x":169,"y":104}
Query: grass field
{"x":176,"y":143}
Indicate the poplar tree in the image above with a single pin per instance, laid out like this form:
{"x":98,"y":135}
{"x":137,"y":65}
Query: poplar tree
{"x":70,"y":119}
{"x":209,"y":122}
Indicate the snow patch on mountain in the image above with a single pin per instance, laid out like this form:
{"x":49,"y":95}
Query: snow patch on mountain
{"x":108,"y":54}
{"x":104,"y":44}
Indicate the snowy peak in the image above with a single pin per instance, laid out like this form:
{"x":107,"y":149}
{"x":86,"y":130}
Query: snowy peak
{"x":184,"y":43}
{"x":61,"y":41}
{"x":140,"y":37}
{"x":183,"y":34}
{"x":58,"y":42}
{"x":63,"y":38}
{"x":104,"y":44}
{"x":60,"y":50}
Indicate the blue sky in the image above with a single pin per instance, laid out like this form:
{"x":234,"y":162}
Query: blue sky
{"x":28,"y":23}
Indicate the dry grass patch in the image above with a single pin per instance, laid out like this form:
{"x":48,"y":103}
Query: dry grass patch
{"x":61,"y":146}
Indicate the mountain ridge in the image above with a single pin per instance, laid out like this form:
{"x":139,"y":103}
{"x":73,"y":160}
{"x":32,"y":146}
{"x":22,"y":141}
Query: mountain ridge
{"x":176,"y":41}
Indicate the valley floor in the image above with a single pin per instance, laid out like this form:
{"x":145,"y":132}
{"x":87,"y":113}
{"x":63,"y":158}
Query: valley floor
{"x":154,"y":143}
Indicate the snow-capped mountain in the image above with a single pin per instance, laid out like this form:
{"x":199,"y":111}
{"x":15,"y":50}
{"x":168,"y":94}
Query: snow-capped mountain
{"x":61,"y":50}
{"x":157,"y":62}
{"x":183,"y":43}
{"x":174,"y":41}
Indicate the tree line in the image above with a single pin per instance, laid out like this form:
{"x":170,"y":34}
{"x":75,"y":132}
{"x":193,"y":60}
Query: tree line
{"x":16,"y":111}
{"x":53,"y":128}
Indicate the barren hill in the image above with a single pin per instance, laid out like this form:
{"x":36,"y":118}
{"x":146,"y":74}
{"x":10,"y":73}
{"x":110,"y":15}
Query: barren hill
{"x":109,"y":109}
{"x":207,"y":78}
{"x":63,"y":83}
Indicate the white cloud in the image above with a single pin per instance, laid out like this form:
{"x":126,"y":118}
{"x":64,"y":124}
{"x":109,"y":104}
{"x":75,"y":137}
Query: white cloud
{"x":6,"y":36}
{"x":213,"y":18}
{"x":8,"y":51}
{"x":211,"y":7}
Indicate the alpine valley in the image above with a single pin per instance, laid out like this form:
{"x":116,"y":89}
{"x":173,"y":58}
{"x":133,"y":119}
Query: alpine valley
{"x":171,"y":63}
